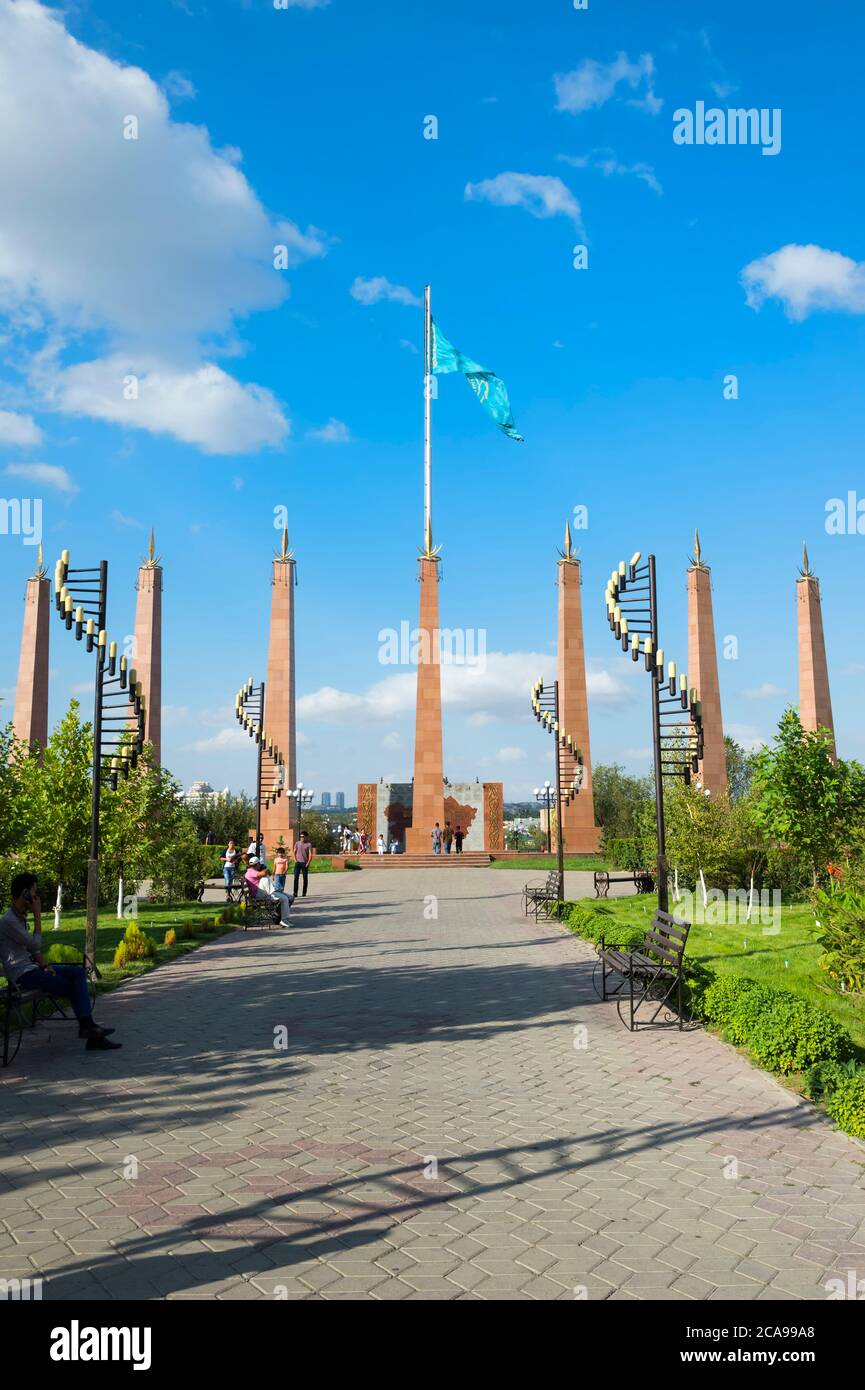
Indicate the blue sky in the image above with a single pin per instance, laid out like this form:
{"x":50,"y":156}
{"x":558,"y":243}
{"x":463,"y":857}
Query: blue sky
{"x":259,"y":387}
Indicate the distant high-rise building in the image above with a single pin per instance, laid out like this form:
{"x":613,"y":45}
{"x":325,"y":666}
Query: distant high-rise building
{"x":340,"y":801}
{"x":325,"y":801}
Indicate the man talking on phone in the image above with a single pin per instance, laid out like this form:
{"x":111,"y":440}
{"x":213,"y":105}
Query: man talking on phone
{"x":22,"y":962}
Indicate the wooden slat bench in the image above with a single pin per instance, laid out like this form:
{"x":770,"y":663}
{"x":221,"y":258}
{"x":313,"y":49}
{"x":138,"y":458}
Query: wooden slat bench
{"x":540,"y":896}
{"x":649,"y":975}
{"x":641,"y":879}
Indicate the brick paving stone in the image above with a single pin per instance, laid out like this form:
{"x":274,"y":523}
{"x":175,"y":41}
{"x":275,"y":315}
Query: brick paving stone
{"x":301,"y":1173}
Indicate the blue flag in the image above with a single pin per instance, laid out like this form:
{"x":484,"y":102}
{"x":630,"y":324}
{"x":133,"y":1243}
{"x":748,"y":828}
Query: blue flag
{"x":489,"y":388}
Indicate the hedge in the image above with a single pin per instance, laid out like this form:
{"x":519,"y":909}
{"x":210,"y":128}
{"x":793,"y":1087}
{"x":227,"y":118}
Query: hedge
{"x":782,"y":1032}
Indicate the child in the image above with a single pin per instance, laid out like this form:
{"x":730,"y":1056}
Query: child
{"x":280,"y":869}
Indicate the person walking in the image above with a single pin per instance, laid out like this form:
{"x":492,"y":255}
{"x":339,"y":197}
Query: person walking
{"x":449,"y":836}
{"x":302,"y":856}
{"x":437,"y":838}
{"x":229,"y":866}
{"x":458,"y":839}
{"x":280,"y":870}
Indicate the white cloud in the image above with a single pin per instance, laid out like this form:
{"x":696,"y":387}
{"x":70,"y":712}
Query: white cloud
{"x":542,"y":195}
{"x":592,"y":84}
{"x":805,"y":278}
{"x":18,"y":430}
{"x":497,"y":688}
{"x":177,"y":84}
{"x":766,"y":691}
{"x":392,"y":742}
{"x":750,"y":738}
{"x":378,"y":288}
{"x":226,"y":738}
{"x":121,"y":519}
{"x":510,"y":755}
{"x":334,"y":432}
{"x":202,"y":406}
{"x":46,"y":474}
{"x":155,"y":244}
{"x":607,"y":162}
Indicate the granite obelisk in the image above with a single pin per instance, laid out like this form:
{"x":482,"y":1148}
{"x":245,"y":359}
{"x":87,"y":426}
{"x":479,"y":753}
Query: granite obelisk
{"x":579,"y":832}
{"x":278,"y":821}
{"x":147,"y":646}
{"x":703,"y":672}
{"x":815,"y":701}
{"x":31,"y":697}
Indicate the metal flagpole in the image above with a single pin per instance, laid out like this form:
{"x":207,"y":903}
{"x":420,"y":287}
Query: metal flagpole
{"x":427,"y":415}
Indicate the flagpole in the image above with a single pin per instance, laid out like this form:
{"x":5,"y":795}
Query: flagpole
{"x":427,"y":416}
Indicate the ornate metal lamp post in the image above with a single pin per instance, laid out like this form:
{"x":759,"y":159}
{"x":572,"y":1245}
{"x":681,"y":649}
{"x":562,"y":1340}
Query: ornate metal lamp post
{"x":546,"y":796}
{"x":569,"y":764}
{"x":677,"y":742}
{"x":270,"y":776}
{"x":304,"y":796}
{"x":81,"y":596}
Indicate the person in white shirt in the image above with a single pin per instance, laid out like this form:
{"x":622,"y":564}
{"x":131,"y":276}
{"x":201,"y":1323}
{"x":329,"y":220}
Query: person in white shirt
{"x":380,"y":845}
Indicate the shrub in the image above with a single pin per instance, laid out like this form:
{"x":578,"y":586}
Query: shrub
{"x":841,"y":917}
{"x":846,"y":1104}
{"x":138,"y":946}
{"x":121,"y":955}
{"x":734,"y":1003}
{"x":63,"y":955}
{"x":170,"y":937}
{"x":188,"y":931}
{"x":592,"y":923}
{"x":823,"y":1077}
{"x":792,"y":1034}
{"x":623,"y":853}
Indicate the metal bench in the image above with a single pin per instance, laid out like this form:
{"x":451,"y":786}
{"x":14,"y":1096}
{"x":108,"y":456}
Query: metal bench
{"x":259,"y":910}
{"x":641,"y":878}
{"x":649,"y":975}
{"x":540,"y":896}
{"x":43,"y":1008}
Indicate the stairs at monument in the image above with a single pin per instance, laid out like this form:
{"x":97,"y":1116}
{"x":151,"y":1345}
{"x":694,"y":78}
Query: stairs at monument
{"x":469,"y":859}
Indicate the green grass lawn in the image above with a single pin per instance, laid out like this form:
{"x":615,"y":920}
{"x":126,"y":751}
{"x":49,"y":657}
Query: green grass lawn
{"x":154,"y":919}
{"x":542,"y":863}
{"x":786,"y":961}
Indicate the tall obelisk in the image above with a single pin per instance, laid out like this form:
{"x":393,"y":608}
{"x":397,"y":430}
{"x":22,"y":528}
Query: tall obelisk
{"x":815,"y":701}
{"x":428,"y":792}
{"x":703,"y":672}
{"x":31,"y":697}
{"x":147,"y":648}
{"x":581,"y":835}
{"x":279,"y":820}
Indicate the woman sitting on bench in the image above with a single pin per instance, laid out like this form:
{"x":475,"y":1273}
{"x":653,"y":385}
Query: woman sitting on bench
{"x":260,"y":885}
{"x":25,"y":969}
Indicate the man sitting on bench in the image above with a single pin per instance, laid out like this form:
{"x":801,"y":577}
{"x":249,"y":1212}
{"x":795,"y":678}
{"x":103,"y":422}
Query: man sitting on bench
{"x":25,"y":968}
{"x":260,"y":885}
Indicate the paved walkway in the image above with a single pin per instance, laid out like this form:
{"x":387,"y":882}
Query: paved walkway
{"x":385,"y":1104}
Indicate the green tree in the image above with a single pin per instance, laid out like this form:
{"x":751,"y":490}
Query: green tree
{"x":148,"y":833}
{"x":229,"y":817}
{"x":805,"y":798}
{"x":58,"y":801}
{"x":740,"y":768}
{"x":14,"y":755}
{"x":619,"y":799}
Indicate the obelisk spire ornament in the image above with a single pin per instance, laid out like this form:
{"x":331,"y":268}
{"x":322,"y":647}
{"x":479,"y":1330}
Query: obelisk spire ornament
{"x":815,"y":700}
{"x":703,"y":671}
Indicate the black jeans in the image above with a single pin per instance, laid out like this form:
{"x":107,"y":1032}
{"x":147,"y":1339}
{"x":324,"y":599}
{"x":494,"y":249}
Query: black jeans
{"x":298,"y":870}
